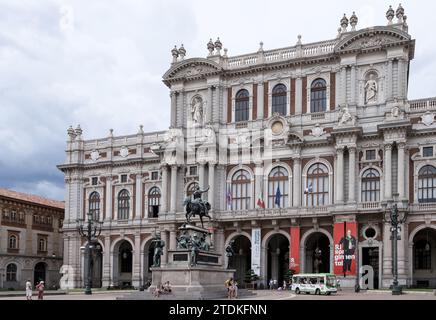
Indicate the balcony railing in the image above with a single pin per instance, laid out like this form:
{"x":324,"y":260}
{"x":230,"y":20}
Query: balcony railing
{"x":283,"y":54}
{"x":17,"y":220}
{"x":370,"y":205}
{"x":423,"y":206}
{"x":423,"y":104}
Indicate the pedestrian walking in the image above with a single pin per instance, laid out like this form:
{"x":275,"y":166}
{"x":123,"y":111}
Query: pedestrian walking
{"x":28,"y":290}
{"x":40,"y":288}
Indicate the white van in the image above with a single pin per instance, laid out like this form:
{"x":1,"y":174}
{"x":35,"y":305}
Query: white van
{"x":317,"y":283}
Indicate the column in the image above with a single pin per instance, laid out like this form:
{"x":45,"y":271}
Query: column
{"x":201,"y":175}
{"x":298,"y":96}
{"x":344,"y":85}
{"x":164,"y":237}
{"x":387,"y":255}
{"x":340,"y":175}
{"x":388,"y":171}
{"x":353,"y":84}
{"x":136,"y":274}
{"x":296,"y":179}
{"x":138,"y":197}
{"x":108,"y":205}
{"x":258,"y":182}
{"x":401,"y":171}
{"x":173,"y":188}
{"x":106,"y":277}
{"x":164,"y":193}
{"x":400,"y":79}
{"x":389,"y":80}
{"x":211,"y":193}
{"x":260,"y":101}
{"x":352,"y":175}
{"x":209,"y":105}
{"x":173,"y":109}
{"x":173,"y":239}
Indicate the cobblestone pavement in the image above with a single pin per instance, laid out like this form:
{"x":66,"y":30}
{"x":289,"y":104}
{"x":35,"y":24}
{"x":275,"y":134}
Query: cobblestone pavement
{"x":262,"y":295}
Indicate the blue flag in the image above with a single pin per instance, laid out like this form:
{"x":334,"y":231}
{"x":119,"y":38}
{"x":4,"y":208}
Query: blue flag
{"x":278,"y":196}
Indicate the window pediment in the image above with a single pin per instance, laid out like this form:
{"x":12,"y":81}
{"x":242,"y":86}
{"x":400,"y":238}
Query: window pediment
{"x":191,"y":69}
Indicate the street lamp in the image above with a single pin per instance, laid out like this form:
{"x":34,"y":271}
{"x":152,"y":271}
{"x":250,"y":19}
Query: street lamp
{"x":91,"y":231}
{"x":395,"y":221}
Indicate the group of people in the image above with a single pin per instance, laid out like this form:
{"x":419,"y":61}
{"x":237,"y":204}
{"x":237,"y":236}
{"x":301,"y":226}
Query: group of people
{"x":39,"y":287}
{"x":232,"y":288}
{"x":273,"y":284}
{"x":162,"y":289}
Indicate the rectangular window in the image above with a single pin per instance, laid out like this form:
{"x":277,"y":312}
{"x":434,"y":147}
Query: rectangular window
{"x":123,"y":178}
{"x":155,"y":175}
{"x":193,"y":171}
{"x":94,"y":181}
{"x":370,"y":154}
{"x":427,"y":152}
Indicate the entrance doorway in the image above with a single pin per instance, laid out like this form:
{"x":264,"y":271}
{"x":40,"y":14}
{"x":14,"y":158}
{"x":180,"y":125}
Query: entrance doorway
{"x":241,"y":261}
{"x":278,"y":258}
{"x":424,"y":258}
{"x":317,"y":259}
{"x":39,"y":273}
{"x":370,"y":257}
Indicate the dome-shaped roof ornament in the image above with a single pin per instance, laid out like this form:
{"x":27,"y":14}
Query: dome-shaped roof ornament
{"x":182,"y":52}
{"x":400,"y":13}
{"x":218,"y":46}
{"x":353,"y":21}
{"x":175,"y":54}
{"x":344,"y":23}
{"x":390,"y":15}
{"x":260,"y":46}
{"x":210,"y":47}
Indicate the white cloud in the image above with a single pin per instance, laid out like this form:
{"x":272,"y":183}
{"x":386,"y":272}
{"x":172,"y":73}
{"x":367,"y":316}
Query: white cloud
{"x":100,"y":64}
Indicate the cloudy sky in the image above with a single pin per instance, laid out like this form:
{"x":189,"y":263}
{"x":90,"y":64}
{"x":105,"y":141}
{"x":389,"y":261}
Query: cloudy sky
{"x":100,"y":64}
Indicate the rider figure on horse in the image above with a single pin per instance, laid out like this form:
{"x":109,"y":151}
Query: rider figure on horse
{"x":197,"y":198}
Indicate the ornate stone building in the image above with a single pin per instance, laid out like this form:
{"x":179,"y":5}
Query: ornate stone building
{"x":31,"y":243}
{"x":300,"y":146}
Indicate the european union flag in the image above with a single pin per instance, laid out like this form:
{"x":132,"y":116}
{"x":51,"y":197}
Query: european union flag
{"x":278,"y":196}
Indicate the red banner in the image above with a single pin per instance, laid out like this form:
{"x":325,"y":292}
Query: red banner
{"x":294,"y":254}
{"x":345,"y":238}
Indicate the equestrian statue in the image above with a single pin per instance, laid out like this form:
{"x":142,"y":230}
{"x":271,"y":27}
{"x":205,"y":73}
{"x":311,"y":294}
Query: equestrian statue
{"x":197,"y":206}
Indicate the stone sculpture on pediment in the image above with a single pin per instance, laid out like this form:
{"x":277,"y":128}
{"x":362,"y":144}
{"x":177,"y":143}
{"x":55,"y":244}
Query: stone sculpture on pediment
{"x":346,"y":118}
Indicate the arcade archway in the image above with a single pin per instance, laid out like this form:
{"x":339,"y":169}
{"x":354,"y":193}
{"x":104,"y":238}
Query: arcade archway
{"x":277,"y":258}
{"x":317,"y":253}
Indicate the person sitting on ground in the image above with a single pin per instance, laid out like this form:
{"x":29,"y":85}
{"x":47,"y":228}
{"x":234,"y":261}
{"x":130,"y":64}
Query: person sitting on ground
{"x":167,"y":287}
{"x":157,"y":291}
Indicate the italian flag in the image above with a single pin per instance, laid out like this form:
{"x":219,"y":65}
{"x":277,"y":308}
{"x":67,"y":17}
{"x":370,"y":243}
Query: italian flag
{"x":260,"y":203}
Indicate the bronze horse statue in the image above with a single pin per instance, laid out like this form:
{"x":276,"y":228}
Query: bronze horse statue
{"x":196,"y":208}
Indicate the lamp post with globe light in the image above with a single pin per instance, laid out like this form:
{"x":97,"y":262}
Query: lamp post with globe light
{"x":91,"y":231}
{"x":395,"y":221}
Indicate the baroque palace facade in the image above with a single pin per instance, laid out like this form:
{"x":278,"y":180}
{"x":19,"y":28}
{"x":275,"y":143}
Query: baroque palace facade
{"x":300,"y":147}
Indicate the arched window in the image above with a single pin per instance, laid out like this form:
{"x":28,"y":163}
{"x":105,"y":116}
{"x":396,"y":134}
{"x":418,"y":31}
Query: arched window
{"x":191,"y":188}
{"x":241,"y":106}
{"x":422,"y":256}
{"x":279,"y":99}
{"x":370,"y":186}
{"x":317,"y":192}
{"x":153,"y":202}
{"x":278,"y":179}
{"x":94,"y":205}
{"x":241,"y":190}
{"x":123,"y":204}
{"x":318,"y":96}
{"x":13,"y":242}
{"x":11,"y":272}
{"x":427,"y":184}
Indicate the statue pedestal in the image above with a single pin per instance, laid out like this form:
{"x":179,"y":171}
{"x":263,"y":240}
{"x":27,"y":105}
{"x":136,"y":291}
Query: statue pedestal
{"x":204,"y":280}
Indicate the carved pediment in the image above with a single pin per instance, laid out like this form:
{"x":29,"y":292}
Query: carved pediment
{"x":372,"y":38}
{"x":191,"y":69}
